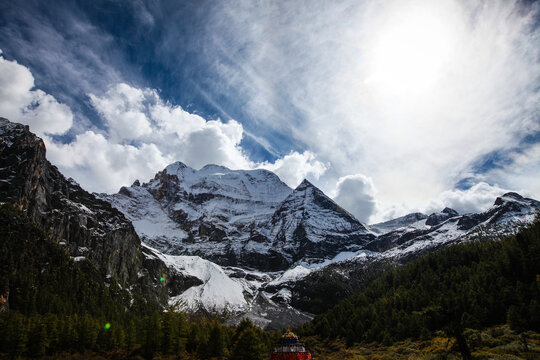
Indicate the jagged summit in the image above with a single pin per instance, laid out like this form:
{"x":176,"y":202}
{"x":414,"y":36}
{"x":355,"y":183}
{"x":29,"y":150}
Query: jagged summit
{"x":176,"y":167}
{"x":304,"y":185}
{"x":437,"y":218}
{"x":238,"y":217}
{"x":511,"y":197}
{"x":450,"y":211}
{"x":268,"y":234}
{"x":508,"y":213}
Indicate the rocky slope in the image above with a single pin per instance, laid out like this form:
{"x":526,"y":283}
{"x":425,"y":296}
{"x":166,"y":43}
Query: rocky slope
{"x":406,"y":239}
{"x":308,"y":227}
{"x":91,"y":229}
{"x":234,"y":242}
{"x":507,"y":214}
{"x":280,"y":247}
{"x":86,"y":226}
{"x":246,"y":218}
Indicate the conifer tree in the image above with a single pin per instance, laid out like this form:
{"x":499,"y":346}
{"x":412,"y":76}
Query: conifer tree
{"x":249,"y":346}
{"x":216,"y":342}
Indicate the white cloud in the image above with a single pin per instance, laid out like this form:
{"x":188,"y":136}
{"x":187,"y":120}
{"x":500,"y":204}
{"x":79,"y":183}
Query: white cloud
{"x":295,"y":167}
{"x":477,"y":198}
{"x":144,"y":134}
{"x":20,"y":102}
{"x":101,"y":166}
{"x":468,"y":88}
{"x":214,"y":143}
{"x":123,"y":109}
{"x":520,"y":172}
{"x":356,"y":193}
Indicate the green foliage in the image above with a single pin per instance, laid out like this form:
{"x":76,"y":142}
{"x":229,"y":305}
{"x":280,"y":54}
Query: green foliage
{"x":249,"y":344}
{"x":39,"y":276}
{"x":320,"y":290}
{"x":58,"y":306}
{"x":472,"y":285}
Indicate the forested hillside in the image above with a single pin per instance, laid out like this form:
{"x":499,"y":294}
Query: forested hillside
{"x":56,"y":305}
{"x":52,"y":304}
{"x":472,"y":285}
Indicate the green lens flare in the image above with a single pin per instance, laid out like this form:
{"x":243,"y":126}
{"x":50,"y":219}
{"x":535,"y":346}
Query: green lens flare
{"x":107,"y":326}
{"x":161,"y":279}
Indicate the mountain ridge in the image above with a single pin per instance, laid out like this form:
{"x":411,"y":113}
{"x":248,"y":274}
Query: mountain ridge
{"x":232,"y":217}
{"x":248,"y":228}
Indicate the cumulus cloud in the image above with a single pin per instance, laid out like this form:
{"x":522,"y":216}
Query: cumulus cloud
{"x":295,"y":167}
{"x":356,"y":194}
{"x":21,"y":102}
{"x":143,"y":134}
{"x":123,"y":109}
{"x":144,"y":128}
{"x":477,"y":198}
{"x":100,"y":165}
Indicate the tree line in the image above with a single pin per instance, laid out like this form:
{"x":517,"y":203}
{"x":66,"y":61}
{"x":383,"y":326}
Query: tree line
{"x":470,"y":285}
{"x":165,"y":334}
{"x":51,"y":304}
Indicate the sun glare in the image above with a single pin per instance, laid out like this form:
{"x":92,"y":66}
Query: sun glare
{"x":409,"y":52}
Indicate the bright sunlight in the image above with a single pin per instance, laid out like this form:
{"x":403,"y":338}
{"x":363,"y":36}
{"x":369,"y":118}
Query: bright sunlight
{"x":410,"y":52}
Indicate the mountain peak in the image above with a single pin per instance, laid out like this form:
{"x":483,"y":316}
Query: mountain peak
{"x":513,"y":195}
{"x":437,"y":218}
{"x":211,"y":167}
{"x":509,"y":196}
{"x":304,"y":185}
{"x":176,"y":167}
{"x":450,"y":211}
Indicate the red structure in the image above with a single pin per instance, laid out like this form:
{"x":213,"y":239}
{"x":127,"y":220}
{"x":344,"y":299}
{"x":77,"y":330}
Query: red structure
{"x":290,"y":348}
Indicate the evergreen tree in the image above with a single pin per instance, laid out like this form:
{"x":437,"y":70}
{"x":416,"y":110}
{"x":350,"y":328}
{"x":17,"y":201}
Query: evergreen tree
{"x":216,"y":343}
{"x":37,"y":339}
{"x":152,"y":332}
{"x":249,"y":346}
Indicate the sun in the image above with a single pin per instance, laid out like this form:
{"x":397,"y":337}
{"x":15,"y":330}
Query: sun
{"x":409,"y":52}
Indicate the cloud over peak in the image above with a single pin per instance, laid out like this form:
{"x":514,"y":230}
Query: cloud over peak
{"x":21,"y":102}
{"x":143,"y":134}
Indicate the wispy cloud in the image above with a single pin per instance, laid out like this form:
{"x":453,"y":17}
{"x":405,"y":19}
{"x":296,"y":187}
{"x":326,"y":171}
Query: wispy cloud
{"x":314,"y":63}
{"x":410,"y":94}
{"x":142,"y":135}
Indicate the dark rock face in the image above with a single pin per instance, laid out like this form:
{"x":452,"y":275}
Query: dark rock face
{"x":85,"y":225}
{"x":437,"y":218}
{"x":309,"y":225}
{"x":509,"y":210}
{"x":239,"y":218}
{"x":175,"y":282}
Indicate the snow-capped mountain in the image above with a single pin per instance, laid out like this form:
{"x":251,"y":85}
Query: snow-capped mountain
{"x":267,"y":237}
{"x":246,"y":218}
{"x":505,"y":216}
{"x":213,"y":212}
{"x":261,"y":237}
{"x":309,"y":227}
{"x":410,"y":220}
{"x":234,"y":242}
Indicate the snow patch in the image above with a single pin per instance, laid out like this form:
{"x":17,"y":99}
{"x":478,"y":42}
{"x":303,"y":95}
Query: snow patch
{"x":217,"y":293}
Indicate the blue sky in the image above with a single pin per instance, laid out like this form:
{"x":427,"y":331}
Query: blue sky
{"x":388,"y":107}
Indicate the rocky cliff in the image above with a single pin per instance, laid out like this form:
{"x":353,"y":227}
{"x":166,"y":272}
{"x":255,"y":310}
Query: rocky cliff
{"x":84,"y":225}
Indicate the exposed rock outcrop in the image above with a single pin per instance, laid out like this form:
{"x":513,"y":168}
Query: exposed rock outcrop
{"x":72,"y":217}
